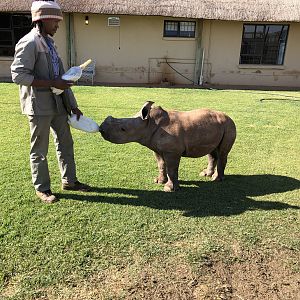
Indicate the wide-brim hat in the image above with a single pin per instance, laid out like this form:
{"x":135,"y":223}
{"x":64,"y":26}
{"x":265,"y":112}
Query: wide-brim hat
{"x":41,"y":10}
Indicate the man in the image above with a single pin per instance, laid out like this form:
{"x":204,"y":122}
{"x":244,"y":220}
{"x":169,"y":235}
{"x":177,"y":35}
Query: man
{"x":36,"y":69}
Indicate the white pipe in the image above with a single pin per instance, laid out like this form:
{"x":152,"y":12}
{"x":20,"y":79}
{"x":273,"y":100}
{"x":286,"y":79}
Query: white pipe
{"x":201,"y":71}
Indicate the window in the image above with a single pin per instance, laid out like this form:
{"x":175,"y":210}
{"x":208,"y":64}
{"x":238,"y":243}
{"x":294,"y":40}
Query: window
{"x":179,"y":29}
{"x":12,"y":28}
{"x":263,"y":44}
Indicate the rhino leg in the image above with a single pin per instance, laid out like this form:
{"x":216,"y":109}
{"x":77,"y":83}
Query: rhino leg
{"x":212,"y":162}
{"x":219,"y":173}
{"x":172,"y":164}
{"x":223,"y":150}
{"x":162,"y":171}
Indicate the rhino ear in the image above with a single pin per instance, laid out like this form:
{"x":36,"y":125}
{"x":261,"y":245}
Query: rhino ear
{"x":145,"y":111}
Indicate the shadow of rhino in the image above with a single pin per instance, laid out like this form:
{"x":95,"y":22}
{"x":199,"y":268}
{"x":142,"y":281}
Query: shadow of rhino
{"x":203,"y":198}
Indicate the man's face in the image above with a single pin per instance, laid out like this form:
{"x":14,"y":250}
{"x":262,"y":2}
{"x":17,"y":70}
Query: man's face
{"x":50,"y":26}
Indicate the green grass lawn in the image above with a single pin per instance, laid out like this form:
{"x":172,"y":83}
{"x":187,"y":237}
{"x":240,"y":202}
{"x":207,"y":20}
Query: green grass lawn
{"x":128,"y":239}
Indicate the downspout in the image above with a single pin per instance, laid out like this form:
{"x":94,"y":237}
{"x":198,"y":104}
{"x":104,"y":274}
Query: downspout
{"x":71,"y":52}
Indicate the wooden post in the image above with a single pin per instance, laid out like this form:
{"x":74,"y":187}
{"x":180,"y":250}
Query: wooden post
{"x":71,"y":52}
{"x":199,"y":55}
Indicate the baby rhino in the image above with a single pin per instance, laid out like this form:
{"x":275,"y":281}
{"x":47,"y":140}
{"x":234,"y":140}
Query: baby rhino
{"x":173,"y":134}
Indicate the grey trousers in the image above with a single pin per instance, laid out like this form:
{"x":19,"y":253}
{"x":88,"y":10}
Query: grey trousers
{"x":39,"y":132}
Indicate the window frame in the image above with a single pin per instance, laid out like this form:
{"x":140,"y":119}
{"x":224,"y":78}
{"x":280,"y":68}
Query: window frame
{"x":7,"y":49}
{"x":265,"y":43}
{"x":178,"y":35}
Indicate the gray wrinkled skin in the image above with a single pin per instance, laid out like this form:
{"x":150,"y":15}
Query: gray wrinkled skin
{"x":173,"y":134}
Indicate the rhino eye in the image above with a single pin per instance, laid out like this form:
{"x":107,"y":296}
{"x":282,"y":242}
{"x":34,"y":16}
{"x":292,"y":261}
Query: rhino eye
{"x":123,"y":129}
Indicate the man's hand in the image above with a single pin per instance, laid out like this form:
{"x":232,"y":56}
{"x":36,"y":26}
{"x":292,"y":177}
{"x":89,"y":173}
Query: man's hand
{"x":77,"y":112}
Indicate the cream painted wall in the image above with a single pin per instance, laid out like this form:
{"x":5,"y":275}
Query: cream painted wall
{"x":5,"y":63}
{"x":135,"y":52}
{"x":61,"y":41}
{"x":222,"y":42}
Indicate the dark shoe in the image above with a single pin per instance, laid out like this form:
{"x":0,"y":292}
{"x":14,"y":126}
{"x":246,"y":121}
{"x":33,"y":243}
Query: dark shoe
{"x":47,"y":196}
{"x":76,"y":186}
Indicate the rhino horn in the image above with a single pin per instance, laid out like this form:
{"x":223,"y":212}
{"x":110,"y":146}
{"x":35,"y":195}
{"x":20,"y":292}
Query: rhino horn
{"x":145,"y":111}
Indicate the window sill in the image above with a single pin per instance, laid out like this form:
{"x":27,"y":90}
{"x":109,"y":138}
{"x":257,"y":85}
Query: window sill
{"x":263,"y":67}
{"x":178,"y":39}
{"x":6,"y":58}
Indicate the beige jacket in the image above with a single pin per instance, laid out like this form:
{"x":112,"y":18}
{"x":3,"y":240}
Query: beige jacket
{"x":32,"y":61}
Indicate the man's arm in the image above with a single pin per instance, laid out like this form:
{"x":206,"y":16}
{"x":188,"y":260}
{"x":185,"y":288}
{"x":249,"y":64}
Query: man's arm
{"x":57,"y":83}
{"x":23,"y":66}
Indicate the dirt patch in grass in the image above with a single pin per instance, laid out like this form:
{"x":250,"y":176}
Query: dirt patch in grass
{"x":253,"y":275}
{"x":248,"y":275}
{"x":155,"y":281}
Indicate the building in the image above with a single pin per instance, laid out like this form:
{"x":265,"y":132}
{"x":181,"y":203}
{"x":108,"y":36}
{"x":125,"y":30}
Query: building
{"x":216,"y":42}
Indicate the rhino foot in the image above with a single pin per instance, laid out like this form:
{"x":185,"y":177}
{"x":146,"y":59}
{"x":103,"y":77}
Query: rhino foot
{"x":160,"y":180}
{"x":170,"y":188}
{"x":216,"y":177}
{"x":205,"y":172}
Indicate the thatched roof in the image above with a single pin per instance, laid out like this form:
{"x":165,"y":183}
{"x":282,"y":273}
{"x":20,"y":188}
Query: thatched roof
{"x":237,"y":10}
